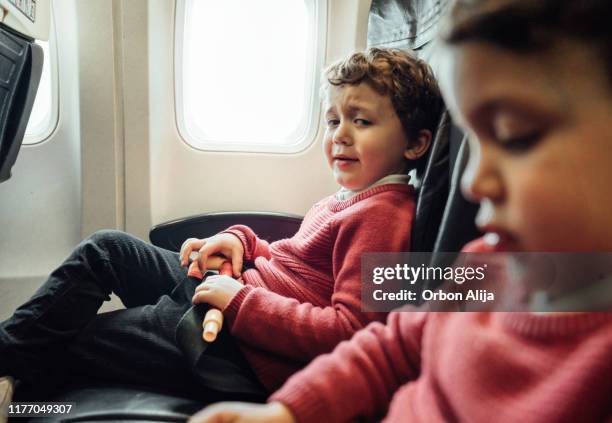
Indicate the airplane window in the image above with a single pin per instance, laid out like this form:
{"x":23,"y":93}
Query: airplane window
{"x":44,"y":114}
{"x":247,"y":73}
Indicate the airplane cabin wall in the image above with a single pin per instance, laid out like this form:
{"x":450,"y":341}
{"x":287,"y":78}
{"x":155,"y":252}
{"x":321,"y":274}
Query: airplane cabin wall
{"x":40,"y":206}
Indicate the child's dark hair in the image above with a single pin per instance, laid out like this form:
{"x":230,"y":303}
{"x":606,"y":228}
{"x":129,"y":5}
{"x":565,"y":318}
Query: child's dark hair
{"x":408,"y":81}
{"x":532,"y":25}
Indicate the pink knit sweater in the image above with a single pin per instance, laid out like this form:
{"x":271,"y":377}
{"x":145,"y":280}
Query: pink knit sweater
{"x":476,"y":367}
{"x":303,"y":296}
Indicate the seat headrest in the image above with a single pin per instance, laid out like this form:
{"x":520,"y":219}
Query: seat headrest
{"x":404,"y":24}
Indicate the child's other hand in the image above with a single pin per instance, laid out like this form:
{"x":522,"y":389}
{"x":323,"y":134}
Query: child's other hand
{"x":227,"y":245}
{"x":217,"y":290}
{"x":241,"y":412}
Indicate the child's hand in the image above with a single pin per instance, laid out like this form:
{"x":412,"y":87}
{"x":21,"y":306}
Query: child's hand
{"x":226,"y":245}
{"x":212,"y":263}
{"x":217,"y":290}
{"x":241,"y":412}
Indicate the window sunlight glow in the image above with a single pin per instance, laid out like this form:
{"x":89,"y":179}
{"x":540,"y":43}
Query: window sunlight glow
{"x":247,"y":71}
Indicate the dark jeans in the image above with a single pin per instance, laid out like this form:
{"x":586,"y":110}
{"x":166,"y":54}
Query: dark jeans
{"x":57,"y":336}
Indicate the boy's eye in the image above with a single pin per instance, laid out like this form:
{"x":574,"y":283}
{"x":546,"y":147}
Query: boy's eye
{"x":333,"y":122}
{"x":362,"y":122}
{"x":520,"y":143}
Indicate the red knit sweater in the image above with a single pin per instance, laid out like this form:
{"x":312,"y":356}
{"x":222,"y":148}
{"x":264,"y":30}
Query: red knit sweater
{"x":303,"y":296}
{"x":476,"y":367}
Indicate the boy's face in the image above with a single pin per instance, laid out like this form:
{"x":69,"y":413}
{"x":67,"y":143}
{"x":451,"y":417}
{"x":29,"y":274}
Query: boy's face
{"x":364,"y":140}
{"x":540,"y":130}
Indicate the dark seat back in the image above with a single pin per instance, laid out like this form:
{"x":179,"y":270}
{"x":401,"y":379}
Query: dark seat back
{"x":433,"y":190}
{"x":21,"y":62}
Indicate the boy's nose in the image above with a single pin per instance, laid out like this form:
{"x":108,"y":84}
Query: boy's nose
{"x":481,"y":179}
{"x":342,"y":135}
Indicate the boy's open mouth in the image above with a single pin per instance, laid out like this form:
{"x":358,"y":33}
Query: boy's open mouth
{"x":342,"y":158}
{"x":344,"y":162}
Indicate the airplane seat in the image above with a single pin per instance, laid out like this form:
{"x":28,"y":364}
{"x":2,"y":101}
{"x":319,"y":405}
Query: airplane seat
{"x":21,"y":63}
{"x":457,"y":226}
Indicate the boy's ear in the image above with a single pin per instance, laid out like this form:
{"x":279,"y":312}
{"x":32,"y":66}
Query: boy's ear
{"x":419,"y":146}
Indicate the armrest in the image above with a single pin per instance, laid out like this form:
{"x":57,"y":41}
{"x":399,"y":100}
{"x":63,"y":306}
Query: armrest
{"x":126,"y":404}
{"x":270,"y":226}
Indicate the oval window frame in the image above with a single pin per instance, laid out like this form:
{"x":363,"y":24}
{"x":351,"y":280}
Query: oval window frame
{"x":317,"y":10}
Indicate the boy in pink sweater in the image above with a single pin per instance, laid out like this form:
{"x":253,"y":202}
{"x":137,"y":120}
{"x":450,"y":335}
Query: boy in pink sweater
{"x":300,"y":297}
{"x":530,"y":81}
